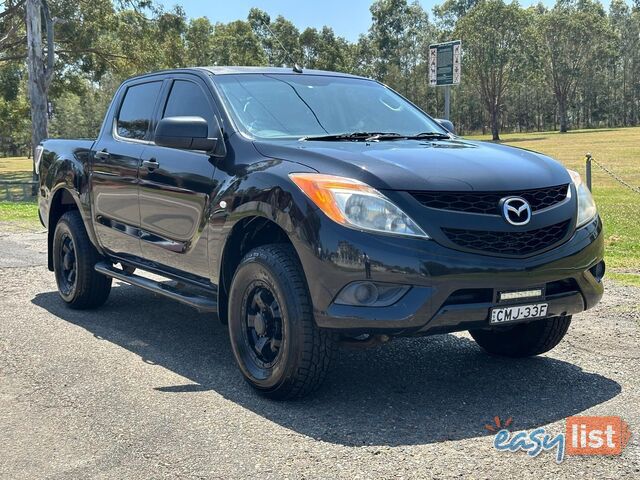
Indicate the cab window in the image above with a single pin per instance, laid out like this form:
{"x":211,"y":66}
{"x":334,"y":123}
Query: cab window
{"x":187,"y":99}
{"x":136,"y":110}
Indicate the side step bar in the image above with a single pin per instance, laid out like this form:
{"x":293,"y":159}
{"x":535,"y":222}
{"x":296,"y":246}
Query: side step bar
{"x":201,"y":302}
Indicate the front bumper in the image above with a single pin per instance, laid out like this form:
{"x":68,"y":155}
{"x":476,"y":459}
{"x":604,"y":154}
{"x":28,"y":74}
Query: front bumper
{"x":450,"y":290}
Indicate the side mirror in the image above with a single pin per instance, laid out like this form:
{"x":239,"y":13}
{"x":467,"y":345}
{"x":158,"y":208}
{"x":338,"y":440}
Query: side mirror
{"x":187,"y":133}
{"x":448,"y":124}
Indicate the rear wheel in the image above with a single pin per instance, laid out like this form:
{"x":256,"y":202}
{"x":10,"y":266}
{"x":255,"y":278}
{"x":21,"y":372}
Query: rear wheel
{"x":74,"y":258}
{"x":525,"y":339}
{"x":277,"y":345}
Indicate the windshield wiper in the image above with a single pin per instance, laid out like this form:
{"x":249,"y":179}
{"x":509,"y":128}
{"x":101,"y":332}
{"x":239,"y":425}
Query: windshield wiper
{"x":358,"y":136}
{"x":437,"y":135}
{"x":377,"y":136}
{"x":397,"y":136}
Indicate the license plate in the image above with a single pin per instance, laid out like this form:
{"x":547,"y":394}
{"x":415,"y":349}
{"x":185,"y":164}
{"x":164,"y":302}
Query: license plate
{"x":520,"y":312}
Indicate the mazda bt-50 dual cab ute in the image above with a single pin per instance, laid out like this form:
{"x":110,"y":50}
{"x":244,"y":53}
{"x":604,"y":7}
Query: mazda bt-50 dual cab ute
{"x":310,"y":209}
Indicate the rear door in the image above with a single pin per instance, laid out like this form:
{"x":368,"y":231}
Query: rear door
{"x":114,"y":177}
{"x":176,"y":186}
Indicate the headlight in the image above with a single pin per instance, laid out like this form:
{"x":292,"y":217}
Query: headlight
{"x":586,"y":206}
{"x":355,"y":204}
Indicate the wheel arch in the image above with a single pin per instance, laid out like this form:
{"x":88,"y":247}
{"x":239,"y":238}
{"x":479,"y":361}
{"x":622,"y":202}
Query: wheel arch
{"x":246,"y":234}
{"x":62,"y":201}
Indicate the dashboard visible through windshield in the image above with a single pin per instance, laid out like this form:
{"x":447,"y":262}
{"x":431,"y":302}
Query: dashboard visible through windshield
{"x":305,"y":105}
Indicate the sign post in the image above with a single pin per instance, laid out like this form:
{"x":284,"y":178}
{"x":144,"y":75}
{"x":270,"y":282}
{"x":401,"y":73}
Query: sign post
{"x":445,"y":68}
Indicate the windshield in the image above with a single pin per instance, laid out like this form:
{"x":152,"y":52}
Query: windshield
{"x":295,"y":106}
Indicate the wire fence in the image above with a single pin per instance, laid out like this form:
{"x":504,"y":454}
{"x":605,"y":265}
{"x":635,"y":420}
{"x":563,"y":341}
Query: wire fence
{"x":589,"y":160}
{"x":17,"y":191}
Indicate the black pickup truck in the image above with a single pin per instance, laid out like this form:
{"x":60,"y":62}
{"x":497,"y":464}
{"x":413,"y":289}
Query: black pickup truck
{"x":312,"y":209}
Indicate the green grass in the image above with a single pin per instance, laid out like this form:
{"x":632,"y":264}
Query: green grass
{"x":627,"y":278}
{"x":619,"y":150}
{"x":19,"y":211}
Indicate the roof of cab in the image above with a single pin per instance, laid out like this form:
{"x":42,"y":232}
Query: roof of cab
{"x":271,"y":70}
{"x":232,"y":70}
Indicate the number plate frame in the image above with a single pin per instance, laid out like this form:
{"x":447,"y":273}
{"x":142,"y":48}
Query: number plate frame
{"x":516,"y":313}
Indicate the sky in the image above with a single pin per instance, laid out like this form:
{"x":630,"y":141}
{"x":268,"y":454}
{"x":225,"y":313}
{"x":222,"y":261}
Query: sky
{"x":348,"y":18}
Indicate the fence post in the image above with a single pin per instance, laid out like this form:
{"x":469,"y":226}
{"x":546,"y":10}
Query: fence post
{"x":588,"y":168}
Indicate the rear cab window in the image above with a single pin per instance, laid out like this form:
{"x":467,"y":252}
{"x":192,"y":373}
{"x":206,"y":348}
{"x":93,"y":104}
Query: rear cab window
{"x":136,"y":110}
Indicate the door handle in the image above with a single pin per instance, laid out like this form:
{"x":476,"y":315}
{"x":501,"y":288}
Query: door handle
{"x":102,"y":155}
{"x":150,"y":164}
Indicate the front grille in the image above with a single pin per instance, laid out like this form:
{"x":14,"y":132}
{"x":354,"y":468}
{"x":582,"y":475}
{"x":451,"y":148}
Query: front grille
{"x":508,"y":243}
{"x":487,"y":202}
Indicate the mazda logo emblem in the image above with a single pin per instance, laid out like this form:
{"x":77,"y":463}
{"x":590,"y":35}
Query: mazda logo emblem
{"x":516,"y":210}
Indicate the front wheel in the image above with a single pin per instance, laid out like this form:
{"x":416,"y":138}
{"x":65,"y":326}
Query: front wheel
{"x":276,"y":343}
{"x":525,"y":339}
{"x":74,"y":259}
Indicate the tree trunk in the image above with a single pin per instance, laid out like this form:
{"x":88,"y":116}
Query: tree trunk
{"x":40,"y":73}
{"x":562,"y":113}
{"x":495,"y":118}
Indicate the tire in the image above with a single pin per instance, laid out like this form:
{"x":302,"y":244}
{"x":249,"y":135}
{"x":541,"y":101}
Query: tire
{"x":269,"y":299}
{"x":74,"y":258}
{"x":524,"y":340}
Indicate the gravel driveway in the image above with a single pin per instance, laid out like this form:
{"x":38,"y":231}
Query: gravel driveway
{"x":147,"y":388}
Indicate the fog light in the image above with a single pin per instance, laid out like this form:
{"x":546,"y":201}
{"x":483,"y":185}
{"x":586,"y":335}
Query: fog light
{"x":366,"y":293}
{"x":371,"y":294}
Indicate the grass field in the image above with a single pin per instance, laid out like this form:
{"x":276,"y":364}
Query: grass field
{"x":618,"y":149}
{"x":22,"y":211}
{"x":14,"y":169}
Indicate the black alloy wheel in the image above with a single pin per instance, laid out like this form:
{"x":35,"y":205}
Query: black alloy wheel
{"x":276,"y":343}
{"x":67,"y":273}
{"x":263,"y":322}
{"x":74,"y":259}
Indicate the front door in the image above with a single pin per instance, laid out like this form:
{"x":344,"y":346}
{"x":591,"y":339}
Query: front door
{"x":114,"y":175}
{"x":176,"y":187}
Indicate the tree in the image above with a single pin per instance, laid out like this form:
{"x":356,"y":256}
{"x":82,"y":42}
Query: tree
{"x":235,"y":44}
{"x":573,"y":35}
{"x":450,"y":11}
{"x":14,"y":122}
{"x":77,"y":47}
{"x":494,"y":41}
{"x":396,"y":46}
{"x":279,"y":39}
{"x":324,"y":50}
{"x":170,"y":39}
{"x":199,"y":42}
{"x":11,"y":27}
{"x":40,"y":66}
{"x":626,"y":37}
{"x":72,"y":118}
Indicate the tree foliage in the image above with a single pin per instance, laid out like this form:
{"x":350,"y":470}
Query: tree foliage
{"x":496,"y":37}
{"x":568,"y":50}
{"x":576,"y":64}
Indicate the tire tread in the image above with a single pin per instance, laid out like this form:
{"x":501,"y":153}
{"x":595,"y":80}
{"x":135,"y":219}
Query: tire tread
{"x":318,"y":346}
{"x":92,"y":288}
{"x":524,"y":340}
